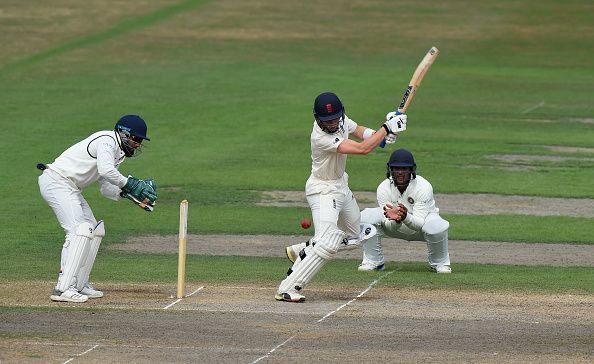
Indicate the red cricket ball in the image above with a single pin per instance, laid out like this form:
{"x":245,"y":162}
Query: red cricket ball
{"x":305,"y":223}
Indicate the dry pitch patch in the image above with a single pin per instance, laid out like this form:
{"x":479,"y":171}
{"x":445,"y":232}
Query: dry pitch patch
{"x":462,"y":203}
{"x":484,"y":252}
{"x":244,"y":324}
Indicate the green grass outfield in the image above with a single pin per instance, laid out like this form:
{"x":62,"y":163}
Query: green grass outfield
{"x":227,"y":88}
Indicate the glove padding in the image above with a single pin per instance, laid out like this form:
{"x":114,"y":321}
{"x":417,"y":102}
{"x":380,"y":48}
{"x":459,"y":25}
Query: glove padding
{"x":390,"y":138}
{"x":395,"y":122}
{"x":142,"y":192}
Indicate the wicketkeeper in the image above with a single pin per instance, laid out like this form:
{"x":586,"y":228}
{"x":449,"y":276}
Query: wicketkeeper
{"x":95,"y":158}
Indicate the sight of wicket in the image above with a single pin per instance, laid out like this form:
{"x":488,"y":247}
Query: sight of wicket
{"x":181,"y":261}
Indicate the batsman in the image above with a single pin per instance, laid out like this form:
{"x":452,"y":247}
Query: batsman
{"x":334,"y":209}
{"x":94,"y":159}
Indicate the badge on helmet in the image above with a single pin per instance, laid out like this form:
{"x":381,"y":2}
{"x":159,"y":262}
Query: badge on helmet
{"x":328,"y":112}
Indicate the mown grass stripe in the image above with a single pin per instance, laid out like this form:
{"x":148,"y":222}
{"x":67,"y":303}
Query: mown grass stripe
{"x":119,"y":29}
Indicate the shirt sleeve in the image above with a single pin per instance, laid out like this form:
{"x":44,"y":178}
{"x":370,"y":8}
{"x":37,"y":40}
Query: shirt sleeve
{"x":350,"y":124}
{"x":106,"y":155}
{"x":109,"y":190}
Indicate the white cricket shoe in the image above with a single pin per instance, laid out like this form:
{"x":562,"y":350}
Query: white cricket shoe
{"x":294,"y":250}
{"x":70,"y":295}
{"x":290,"y":296}
{"x":91,"y":292}
{"x":368,"y":267}
{"x":441,"y":269}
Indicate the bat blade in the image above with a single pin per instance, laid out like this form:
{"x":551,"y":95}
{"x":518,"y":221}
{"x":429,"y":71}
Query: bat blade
{"x":416,"y":79}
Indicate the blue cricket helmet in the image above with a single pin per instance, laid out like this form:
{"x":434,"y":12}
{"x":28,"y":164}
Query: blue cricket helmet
{"x":134,"y":125}
{"x":327,"y":110}
{"x":402,"y":158}
{"x":328,"y":106}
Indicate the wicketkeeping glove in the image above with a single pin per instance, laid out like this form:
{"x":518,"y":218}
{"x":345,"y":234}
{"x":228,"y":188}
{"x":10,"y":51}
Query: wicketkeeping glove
{"x":142,"y":192}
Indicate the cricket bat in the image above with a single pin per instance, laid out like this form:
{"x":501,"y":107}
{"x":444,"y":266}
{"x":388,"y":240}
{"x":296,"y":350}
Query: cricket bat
{"x":415,"y":82}
{"x":416,"y":79}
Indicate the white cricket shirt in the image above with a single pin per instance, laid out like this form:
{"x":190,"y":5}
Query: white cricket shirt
{"x":417,"y":198}
{"x":327,"y":165}
{"x":94,"y":158}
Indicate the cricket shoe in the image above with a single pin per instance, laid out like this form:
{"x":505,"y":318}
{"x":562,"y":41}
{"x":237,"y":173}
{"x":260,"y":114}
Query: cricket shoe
{"x":91,"y":292}
{"x":294,"y":250}
{"x":290,"y":296}
{"x":369,"y":267}
{"x":441,"y":269}
{"x":70,"y":295}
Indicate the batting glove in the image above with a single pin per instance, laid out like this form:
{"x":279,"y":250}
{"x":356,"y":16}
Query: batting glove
{"x":395,"y":123}
{"x":390,"y":138}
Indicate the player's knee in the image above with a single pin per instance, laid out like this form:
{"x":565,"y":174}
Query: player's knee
{"x":323,"y":251}
{"x":372,"y":216}
{"x":99,"y":230}
{"x":85,"y":229}
{"x":328,"y":244}
{"x":435,"y":225}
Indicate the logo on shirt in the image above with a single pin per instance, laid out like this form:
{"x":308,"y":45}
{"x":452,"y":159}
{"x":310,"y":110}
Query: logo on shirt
{"x":410,"y":200}
{"x":334,"y":203}
{"x":336,"y":140}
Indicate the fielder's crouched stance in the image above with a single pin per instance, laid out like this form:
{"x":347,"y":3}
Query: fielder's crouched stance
{"x":335,"y":211}
{"x":407,"y":211}
{"x":95,"y":158}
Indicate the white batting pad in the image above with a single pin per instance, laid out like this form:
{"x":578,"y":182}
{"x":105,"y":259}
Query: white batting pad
{"x":303,"y":272}
{"x":294,"y":250}
{"x":85,"y":269}
{"x":316,"y":256}
{"x":329,"y":243}
{"x":366,"y":232}
{"x":78,"y":249}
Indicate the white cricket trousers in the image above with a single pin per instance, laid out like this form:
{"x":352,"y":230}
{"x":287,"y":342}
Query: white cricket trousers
{"x":434,"y":232}
{"x":335,"y":210}
{"x":68,"y":203}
